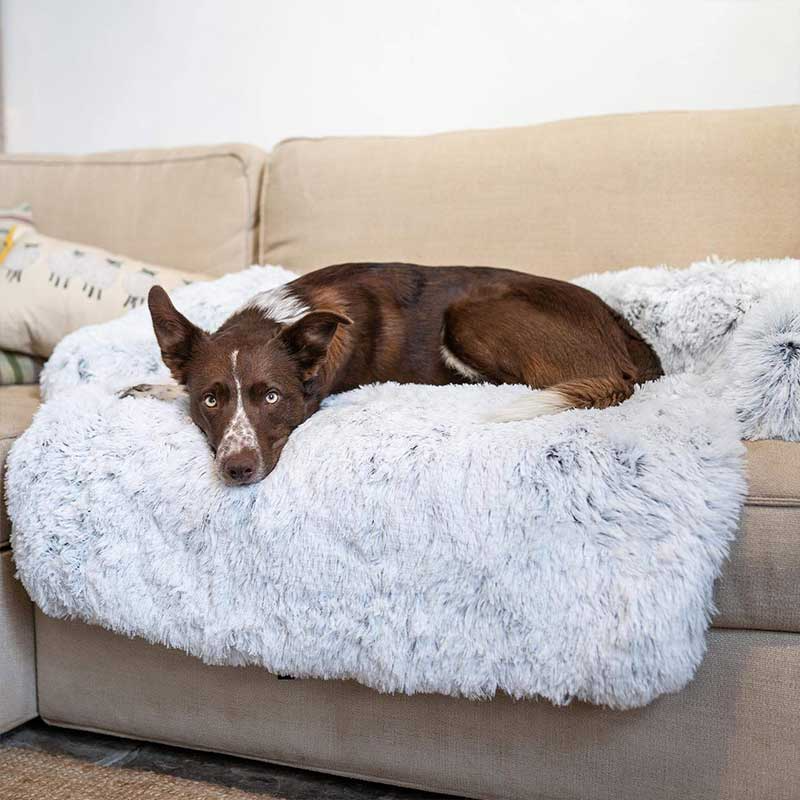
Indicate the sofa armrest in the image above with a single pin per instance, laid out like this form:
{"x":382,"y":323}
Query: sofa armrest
{"x":17,"y":654}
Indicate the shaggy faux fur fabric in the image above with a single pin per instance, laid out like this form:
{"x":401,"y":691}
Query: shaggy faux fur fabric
{"x":403,"y":541}
{"x":738,"y":323}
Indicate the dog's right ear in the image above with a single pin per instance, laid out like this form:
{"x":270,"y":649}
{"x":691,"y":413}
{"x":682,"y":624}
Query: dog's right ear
{"x":177,"y":337}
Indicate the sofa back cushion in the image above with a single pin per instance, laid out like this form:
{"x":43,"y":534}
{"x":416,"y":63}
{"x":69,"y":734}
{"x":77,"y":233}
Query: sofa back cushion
{"x":191,"y":208}
{"x":558,"y":199}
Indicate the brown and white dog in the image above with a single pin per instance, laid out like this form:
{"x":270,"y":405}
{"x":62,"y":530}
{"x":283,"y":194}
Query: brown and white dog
{"x":270,"y":365}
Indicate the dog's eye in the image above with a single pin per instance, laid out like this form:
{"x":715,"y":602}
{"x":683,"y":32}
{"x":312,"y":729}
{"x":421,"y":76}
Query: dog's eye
{"x":209,"y":401}
{"x":272,"y":396}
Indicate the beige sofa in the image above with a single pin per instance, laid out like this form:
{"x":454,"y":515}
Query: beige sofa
{"x":557,"y":199}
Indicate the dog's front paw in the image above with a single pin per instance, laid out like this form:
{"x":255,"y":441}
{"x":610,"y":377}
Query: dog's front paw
{"x":159,"y":391}
{"x":135,"y":391}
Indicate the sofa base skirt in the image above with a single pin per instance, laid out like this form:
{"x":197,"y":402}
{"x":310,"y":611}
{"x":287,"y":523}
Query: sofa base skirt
{"x":733,"y":733}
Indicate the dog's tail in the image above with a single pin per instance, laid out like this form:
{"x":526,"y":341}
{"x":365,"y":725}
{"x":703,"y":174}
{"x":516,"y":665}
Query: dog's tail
{"x":581,"y":393}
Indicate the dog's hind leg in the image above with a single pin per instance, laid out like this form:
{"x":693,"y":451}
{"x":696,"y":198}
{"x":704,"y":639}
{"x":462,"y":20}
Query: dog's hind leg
{"x":158,"y":391}
{"x":575,"y":353}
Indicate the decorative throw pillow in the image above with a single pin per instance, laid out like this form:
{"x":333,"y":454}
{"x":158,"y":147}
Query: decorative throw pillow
{"x":49,"y":287}
{"x":17,"y":368}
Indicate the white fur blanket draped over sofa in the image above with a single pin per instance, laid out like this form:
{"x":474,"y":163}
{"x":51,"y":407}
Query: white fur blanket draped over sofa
{"x":403,"y":541}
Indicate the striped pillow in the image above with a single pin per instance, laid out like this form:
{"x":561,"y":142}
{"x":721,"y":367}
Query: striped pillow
{"x":17,"y":368}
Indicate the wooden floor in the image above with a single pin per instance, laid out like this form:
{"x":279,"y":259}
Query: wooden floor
{"x":255,"y":778}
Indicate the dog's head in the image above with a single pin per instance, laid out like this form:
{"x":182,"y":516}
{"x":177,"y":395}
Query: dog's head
{"x":250,"y":384}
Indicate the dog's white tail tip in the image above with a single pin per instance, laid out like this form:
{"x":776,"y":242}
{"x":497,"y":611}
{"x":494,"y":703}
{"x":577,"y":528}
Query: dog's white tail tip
{"x":536,"y":404}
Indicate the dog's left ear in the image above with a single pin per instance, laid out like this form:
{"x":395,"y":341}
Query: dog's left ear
{"x":177,"y":337}
{"x":308,"y":339}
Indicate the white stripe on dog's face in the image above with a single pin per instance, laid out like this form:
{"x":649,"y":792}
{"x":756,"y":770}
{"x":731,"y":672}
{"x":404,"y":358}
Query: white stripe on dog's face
{"x":240,"y":434}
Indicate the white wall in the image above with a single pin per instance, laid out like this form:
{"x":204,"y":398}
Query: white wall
{"x":85,"y":75}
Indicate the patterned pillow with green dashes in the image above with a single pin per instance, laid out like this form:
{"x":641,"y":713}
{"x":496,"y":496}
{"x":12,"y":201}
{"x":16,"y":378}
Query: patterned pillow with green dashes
{"x":50,"y":287}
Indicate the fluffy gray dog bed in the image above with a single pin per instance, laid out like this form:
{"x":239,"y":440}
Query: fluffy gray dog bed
{"x":402,"y":540}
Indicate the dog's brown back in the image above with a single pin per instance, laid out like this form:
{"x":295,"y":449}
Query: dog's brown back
{"x":507,"y":326}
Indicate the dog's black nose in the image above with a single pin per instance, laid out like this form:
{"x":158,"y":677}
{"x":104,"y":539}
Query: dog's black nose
{"x":239,"y":471}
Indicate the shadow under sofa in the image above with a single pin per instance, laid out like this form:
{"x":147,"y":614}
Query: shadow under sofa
{"x":558,"y":199}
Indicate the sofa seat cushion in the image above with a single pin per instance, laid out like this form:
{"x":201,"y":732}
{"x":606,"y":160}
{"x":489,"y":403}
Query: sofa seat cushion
{"x":760,"y":584}
{"x":17,"y":407}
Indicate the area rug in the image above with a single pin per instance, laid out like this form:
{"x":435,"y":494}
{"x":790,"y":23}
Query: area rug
{"x":403,"y":541}
{"x":33,"y":775}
